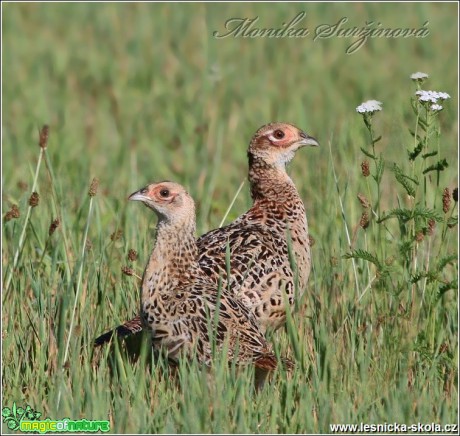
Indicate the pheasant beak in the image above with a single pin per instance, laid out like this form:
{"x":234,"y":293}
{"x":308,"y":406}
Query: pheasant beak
{"x":308,"y":140}
{"x":140,"y":195}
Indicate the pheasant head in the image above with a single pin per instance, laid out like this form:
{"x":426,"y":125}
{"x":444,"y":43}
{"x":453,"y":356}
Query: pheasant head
{"x":275,"y":144}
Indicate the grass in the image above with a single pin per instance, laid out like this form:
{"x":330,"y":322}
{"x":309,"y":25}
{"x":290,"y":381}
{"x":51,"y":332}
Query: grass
{"x":135,"y":93}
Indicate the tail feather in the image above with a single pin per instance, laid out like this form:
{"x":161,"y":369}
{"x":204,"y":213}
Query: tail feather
{"x":128,"y":328}
{"x":269,"y":362}
{"x":266,"y":361}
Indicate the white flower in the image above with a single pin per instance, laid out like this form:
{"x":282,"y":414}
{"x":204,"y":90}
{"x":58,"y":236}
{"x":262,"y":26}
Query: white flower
{"x":431,"y":96}
{"x":443,"y":95}
{"x":369,"y":106}
{"x":419,"y":76}
{"x":436,"y":107}
{"x":424,"y":96}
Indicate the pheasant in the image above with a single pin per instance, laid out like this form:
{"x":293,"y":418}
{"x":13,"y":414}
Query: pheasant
{"x":269,"y":251}
{"x":179,"y":304}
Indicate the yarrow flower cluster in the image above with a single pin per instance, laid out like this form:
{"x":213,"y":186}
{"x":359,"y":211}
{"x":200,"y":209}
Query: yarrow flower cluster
{"x":432,"y":97}
{"x":369,"y":106}
{"x":419,"y":76}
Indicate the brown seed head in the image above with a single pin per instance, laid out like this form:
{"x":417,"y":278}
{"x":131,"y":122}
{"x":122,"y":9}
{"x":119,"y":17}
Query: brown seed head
{"x":12,"y":213}
{"x":127,"y":270}
{"x":446,"y":200}
{"x":132,"y":255}
{"x":311,"y":240}
{"x":53,"y":226}
{"x":15,"y":211}
{"x":93,"y":188}
{"x":365,"y":168}
{"x":22,"y":185}
{"x":444,"y":347}
{"x":431,"y":225}
{"x":34,"y":199}
{"x":419,"y":236}
{"x":455,"y":195}
{"x":364,"y":221}
{"x":364,"y":201}
{"x":44,"y":134}
{"x":115,"y":236}
{"x":88,"y":245}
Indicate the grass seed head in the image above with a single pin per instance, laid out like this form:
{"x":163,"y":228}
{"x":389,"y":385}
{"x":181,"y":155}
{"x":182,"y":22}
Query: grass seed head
{"x":364,"y":221}
{"x":132,"y":255}
{"x":34,"y":199}
{"x":364,"y":201}
{"x":127,"y":270}
{"x":419,"y":236}
{"x":8,"y":216}
{"x":44,"y":134}
{"x":446,"y":200}
{"x":365,"y":168}
{"x":311,"y":240}
{"x":12,"y":213}
{"x":443,"y":348}
{"x":22,"y":185}
{"x":431,"y":224}
{"x":15,"y":211}
{"x":115,"y":236}
{"x":53,"y":226}
{"x":93,"y":187}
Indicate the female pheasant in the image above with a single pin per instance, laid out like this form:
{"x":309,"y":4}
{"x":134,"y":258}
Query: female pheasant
{"x":268,"y":245}
{"x":179,"y":305}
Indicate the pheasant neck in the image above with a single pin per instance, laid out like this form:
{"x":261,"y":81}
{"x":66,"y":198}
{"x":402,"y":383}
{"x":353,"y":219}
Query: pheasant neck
{"x":174,"y":255}
{"x":270,"y":182}
{"x":277,"y":205}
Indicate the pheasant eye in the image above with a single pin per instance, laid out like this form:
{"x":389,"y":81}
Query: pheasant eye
{"x":278,"y":134}
{"x":164,"y":193}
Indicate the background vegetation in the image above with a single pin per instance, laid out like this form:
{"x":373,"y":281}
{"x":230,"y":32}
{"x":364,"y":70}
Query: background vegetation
{"x":135,"y":93}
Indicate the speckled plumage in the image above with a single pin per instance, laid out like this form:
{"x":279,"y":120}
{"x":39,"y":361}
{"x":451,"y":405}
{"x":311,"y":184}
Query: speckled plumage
{"x":259,"y":237}
{"x":262,"y":271}
{"x":180,"y":306}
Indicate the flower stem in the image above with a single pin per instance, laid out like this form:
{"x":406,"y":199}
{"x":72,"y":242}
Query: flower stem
{"x":26,"y":222}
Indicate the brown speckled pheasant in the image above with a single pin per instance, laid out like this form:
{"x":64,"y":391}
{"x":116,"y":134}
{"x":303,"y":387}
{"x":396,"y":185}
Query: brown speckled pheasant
{"x":179,"y":303}
{"x":261,"y":268}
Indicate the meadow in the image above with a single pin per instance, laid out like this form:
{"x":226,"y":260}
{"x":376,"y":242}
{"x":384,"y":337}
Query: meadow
{"x":136,"y":93}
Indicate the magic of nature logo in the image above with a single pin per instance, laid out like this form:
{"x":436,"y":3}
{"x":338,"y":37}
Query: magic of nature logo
{"x":26,"y":419}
